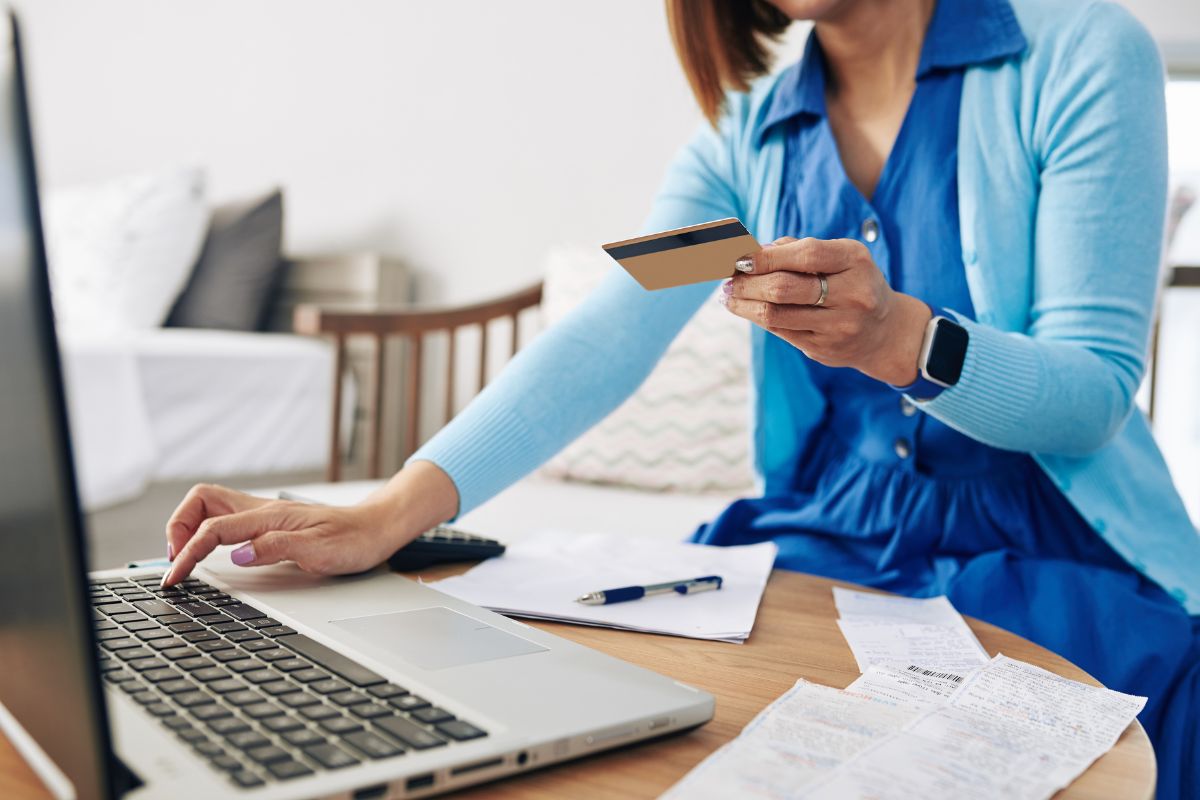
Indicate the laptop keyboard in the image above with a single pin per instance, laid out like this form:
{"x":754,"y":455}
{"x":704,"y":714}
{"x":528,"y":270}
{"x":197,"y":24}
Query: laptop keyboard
{"x":254,"y":698}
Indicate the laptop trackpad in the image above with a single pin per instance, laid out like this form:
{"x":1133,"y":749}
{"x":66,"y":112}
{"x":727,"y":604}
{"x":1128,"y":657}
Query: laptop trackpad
{"x":436,"y":638}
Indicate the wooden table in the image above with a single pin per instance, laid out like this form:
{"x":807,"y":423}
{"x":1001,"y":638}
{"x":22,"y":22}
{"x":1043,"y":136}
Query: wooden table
{"x":795,"y":636}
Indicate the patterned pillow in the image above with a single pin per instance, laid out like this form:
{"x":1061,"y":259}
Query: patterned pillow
{"x":687,"y":428}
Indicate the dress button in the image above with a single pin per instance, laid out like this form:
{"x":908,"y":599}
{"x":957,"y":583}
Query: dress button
{"x":903,"y":448}
{"x":870,"y":230}
{"x":907,"y":407}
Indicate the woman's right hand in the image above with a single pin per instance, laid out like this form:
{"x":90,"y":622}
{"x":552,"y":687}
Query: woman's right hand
{"x":325,"y":540}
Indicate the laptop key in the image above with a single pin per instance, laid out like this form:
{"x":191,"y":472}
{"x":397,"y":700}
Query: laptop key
{"x":386,"y":690}
{"x":318,"y":713}
{"x":298,"y":700}
{"x":121,"y":642}
{"x":246,"y":779}
{"x":278,"y":630}
{"x":114,"y":608}
{"x":187,"y":627}
{"x":282,"y":724}
{"x":214,"y":646}
{"x":241,"y":611}
{"x":194,"y":608}
{"x":258,"y":676}
{"x":228,"y":627}
{"x":183,"y":651}
{"x":244,"y":697}
{"x":328,"y":686}
{"x":331,"y":660}
{"x":276,"y":688}
{"x":348,"y":698}
{"x":278,"y":654}
{"x":261,"y":710}
{"x":331,"y":757}
{"x":290,"y":664}
{"x":154,"y":608}
{"x":267,"y":753}
{"x":304,"y":737}
{"x":262,"y":622}
{"x":370,"y":711}
{"x":242,"y":636}
{"x":142,"y":625}
{"x":166,"y":644}
{"x":192,"y":699}
{"x":176,"y":687}
{"x":190,"y":735}
{"x":309,"y":675}
{"x":199,"y":636}
{"x":160,"y":675}
{"x":246,"y":740}
{"x":432,"y":715}
{"x":228,"y":655}
{"x":212,"y":711}
{"x":157,"y":633}
{"x":173,"y":619}
{"x":176,"y":723}
{"x":215,"y":618}
{"x":129,"y":654}
{"x":341,"y":725}
{"x":288,"y":769}
{"x":226,"y":726}
{"x":408,"y":702}
{"x":260,"y":644}
{"x":460,"y":730}
{"x":127,"y":617}
{"x":198,"y":662}
{"x":225,"y":685}
{"x":409,"y":732}
{"x":245,"y":664}
{"x":207,"y":674}
{"x":372,"y":745}
{"x":160,"y":709}
{"x":226,"y":762}
{"x":144,"y":664}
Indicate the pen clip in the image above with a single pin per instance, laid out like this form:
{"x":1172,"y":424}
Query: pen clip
{"x":708,"y":583}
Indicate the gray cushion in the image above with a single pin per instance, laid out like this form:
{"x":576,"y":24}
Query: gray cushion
{"x":238,"y":269}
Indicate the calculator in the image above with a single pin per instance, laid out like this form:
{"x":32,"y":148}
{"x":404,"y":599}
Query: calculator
{"x":441,"y":545}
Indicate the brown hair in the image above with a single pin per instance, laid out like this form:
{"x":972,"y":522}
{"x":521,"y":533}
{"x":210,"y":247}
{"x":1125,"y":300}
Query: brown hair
{"x":723,"y":45}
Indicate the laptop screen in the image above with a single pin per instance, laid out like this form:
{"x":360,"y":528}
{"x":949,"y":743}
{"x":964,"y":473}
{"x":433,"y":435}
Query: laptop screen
{"x":48,"y":682}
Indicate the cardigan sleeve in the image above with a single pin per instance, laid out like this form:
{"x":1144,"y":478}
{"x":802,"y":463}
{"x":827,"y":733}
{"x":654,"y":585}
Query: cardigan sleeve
{"x":574,"y":374}
{"x":1067,"y":384}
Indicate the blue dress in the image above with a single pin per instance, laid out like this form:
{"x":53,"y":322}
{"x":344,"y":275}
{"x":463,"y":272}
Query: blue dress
{"x":886,"y":496}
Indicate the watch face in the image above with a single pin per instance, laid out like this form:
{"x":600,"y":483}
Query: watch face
{"x":947,"y":353}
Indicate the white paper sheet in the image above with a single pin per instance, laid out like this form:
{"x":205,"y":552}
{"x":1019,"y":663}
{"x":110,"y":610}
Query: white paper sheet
{"x":900,"y":631}
{"x":1012,"y":731}
{"x":540,"y":578}
{"x":914,"y":686}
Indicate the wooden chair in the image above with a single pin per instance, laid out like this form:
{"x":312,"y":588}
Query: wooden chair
{"x":413,"y":325}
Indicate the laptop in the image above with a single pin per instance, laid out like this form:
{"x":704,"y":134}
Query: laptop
{"x":258,"y":683}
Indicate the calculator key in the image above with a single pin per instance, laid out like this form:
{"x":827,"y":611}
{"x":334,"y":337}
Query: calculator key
{"x":330,"y":757}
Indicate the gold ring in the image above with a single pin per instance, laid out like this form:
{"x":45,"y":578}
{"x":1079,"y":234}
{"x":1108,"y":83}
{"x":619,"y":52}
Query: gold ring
{"x":824,"y":290}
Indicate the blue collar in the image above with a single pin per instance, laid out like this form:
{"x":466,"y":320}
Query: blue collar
{"x":960,"y":34}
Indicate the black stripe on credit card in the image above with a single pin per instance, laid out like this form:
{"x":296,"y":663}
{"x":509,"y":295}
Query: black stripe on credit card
{"x":687,"y":239}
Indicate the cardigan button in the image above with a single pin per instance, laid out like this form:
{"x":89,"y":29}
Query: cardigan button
{"x":903,"y":448}
{"x":907,"y":407}
{"x":870,"y":230}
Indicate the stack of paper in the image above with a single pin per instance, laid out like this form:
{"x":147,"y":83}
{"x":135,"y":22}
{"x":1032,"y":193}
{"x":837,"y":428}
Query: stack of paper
{"x":542,"y":576}
{"x":899,"y":631}
{"x":1006,"y":730}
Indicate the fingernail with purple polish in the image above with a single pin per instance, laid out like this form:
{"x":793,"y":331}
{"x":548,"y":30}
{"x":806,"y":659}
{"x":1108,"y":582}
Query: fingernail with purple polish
{"x":744,"y":264}
{"x":727,"y":288}
{"x":170,"y":552}
{"x":243,"y":555}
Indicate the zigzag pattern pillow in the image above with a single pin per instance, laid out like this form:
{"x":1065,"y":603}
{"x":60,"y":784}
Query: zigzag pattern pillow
{"x":687,"y":428}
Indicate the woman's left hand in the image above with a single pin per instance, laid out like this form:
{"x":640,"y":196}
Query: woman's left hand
{"x":863,"y":323}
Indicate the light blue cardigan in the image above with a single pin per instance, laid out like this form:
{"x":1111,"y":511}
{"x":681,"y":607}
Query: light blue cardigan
{"x":1062,"y":191}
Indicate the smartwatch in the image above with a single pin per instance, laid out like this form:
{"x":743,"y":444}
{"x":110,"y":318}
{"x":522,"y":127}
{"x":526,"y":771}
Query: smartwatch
{"x":940,"y":364}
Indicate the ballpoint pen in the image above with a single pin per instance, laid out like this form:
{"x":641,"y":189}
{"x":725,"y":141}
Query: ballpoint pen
{"x":685,"y":586}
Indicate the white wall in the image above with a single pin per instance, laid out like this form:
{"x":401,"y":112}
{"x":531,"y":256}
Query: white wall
{"x":462,"y":136}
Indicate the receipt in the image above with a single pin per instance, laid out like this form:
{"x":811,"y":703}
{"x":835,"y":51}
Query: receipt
{"x":914,"y":685}
{"x":1012,"y":730}
{"x":899,"y":631}
{"x":805,"y":734}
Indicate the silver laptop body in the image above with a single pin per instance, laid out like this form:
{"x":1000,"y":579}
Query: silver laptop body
{"x":84,"y":686}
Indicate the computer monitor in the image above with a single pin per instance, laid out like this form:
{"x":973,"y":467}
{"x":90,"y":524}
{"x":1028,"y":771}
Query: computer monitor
{"x":51,"y":705}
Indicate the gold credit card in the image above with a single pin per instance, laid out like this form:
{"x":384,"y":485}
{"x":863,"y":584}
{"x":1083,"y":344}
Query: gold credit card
{"x":695,"y":254}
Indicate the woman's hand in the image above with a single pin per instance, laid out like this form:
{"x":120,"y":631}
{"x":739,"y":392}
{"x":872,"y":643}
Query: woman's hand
{"x":325,"y":540}
{"x":862,"y":323}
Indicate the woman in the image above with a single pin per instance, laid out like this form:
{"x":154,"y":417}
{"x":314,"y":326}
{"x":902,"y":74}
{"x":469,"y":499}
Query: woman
{"x":997,"y":166}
